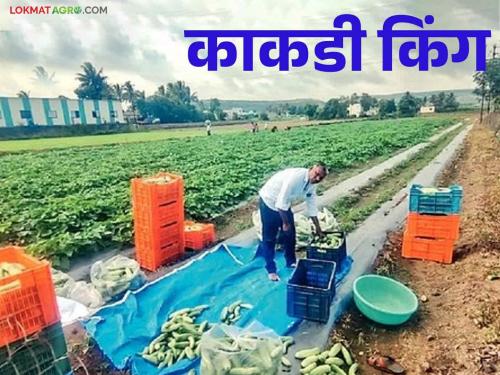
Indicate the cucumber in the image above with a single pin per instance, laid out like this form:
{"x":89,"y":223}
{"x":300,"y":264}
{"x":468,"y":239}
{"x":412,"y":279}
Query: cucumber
{"x":335,"y":350}
{"x":285,"y":362}
{"x":353,"y":369}
{"x":223,"y":314}
{"x":309,"y":368}
{"x":337,"y":369}
{"x":179,"y":312}
{"x":320,"y":370}
{"x":311,"y":359}
{"x":245,"y":371}
{"x":150,"y":358}
{"x":181,"y":336}
{"x":233,"y":305}
{"x":189,"y":353}
{"x":323,"y":356}
{"x":203,"y":326}
{"x":335,"y":361}
{"x":276,"y":351}
{"x":347,"y":355}
{"x":302,"y":354}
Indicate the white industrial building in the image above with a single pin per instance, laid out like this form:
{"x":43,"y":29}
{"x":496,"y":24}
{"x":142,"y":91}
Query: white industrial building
{"x":354,"y":110}
{"x":59,"y":111}
{"x":427,"y":109}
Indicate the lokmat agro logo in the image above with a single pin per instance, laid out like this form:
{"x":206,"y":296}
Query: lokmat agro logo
{"x":58,"y":9}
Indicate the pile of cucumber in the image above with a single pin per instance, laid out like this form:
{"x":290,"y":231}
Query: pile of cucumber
{"x":180,"y":338}
{"x":335,"y":361}
{"x":232,"y":313}
{"x":329,"y":241}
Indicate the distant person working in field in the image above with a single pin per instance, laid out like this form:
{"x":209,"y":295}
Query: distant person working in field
{"x":275,"y":202}
{"x":208,"y":125}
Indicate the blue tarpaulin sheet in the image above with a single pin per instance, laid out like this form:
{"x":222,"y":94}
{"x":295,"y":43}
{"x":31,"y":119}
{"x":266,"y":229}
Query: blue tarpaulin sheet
{"x":218,"y":278}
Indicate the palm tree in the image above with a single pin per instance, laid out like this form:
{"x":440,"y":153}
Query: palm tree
{"x":131,"y":95}
{"x":116,"y":91}
{"x":180,"y":93}
{"x":43,"y":77}
{"x":93,"y":83}
{"x":161,"y":91}
{"x":23,"y":94}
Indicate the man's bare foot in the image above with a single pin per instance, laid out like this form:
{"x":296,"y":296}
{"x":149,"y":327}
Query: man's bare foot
{"x":274,"y":277}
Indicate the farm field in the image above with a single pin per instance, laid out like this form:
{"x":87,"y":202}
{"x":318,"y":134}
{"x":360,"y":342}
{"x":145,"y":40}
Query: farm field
{"x":68,"y":202}
{"x":135,"y":137}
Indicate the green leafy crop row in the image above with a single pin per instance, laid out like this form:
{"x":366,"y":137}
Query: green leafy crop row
{"x":68,"y":202}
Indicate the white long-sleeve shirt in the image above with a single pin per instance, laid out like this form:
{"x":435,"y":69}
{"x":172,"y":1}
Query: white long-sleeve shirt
{"x":288,"y":185}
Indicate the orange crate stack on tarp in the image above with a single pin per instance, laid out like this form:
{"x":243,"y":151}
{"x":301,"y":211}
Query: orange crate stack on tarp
{"x":430,"y":237}
{"x":198,"y":236}
{"x":27,"y":299}
{"x":158,"y":211}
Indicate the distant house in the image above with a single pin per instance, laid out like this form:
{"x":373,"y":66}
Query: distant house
{"x":58,"y":112}
{"x":239,"y":112}
{"x":354,"y":110}
{"x":235,"y":111}
{"x":427,"y":109}
{"x":373,"y":111}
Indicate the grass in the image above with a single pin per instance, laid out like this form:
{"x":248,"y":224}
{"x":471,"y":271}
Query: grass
{"x":39,"y":144}
{"x":353,"y":209}
{"x":106,"y":139}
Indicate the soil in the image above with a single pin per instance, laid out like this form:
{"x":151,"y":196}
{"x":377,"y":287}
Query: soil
{"x":457,"y":328}
{"x":85,"y":357}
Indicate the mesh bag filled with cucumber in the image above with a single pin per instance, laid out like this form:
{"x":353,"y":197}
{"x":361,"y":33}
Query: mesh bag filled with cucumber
{"x":233,"y":350}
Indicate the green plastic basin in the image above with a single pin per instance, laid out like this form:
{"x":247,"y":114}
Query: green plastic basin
{"x":384,"y":300}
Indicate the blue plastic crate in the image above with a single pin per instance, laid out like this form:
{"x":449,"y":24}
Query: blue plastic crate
{"x":334,"y":255}
{"x":446,"y":201}
{"x":311,"y":289}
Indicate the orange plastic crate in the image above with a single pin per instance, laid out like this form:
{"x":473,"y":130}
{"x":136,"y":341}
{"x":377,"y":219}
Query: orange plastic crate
{"x":28,"y":299}
{"x":199,"y":237}
{"x":157,"y":246}
{"x":153,"y":258}
{"x":436,"y":249}
{"x":146,"y":194}
{"x":148,"y":216}
{"x":434,"y":226}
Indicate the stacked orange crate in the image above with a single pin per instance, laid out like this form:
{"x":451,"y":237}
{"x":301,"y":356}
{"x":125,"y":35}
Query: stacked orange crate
{"x":158,"y":209}
{"x":431,"y":237}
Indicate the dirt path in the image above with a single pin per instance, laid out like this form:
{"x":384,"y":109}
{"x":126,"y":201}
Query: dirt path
{"x":457,"y":329}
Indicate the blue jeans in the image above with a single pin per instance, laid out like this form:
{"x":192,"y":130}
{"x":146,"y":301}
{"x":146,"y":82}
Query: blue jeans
{"x":271,"y":224}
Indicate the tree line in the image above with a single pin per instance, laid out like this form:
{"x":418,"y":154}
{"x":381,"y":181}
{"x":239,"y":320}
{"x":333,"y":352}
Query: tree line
{"x":407,"y":106}
{"x":175,"y":102}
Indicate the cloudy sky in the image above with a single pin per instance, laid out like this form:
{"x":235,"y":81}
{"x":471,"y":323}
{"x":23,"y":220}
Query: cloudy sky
{"x":142,"y":41}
